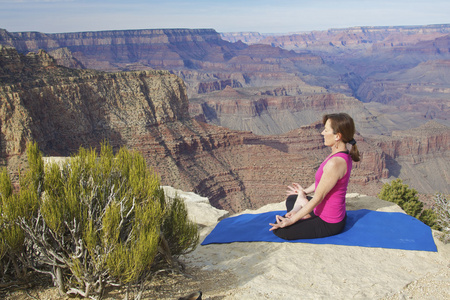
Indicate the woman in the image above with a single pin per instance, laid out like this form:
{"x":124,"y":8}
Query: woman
{"x":324,"y":214}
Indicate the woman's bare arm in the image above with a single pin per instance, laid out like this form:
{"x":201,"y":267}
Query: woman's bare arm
{"x":333,"y":170}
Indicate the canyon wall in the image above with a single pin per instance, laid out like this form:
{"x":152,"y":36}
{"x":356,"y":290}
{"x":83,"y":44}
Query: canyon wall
{"x":63,"y":109}
{"x":115,"y":50}
{"x":353,"y":37}
{"x":421,"y":157}
{"x":169,"y":49}
{"x":269,"y":113}
{"x":372,"y":64}
{"x":388,"y":78}
{"x":402,"y":67}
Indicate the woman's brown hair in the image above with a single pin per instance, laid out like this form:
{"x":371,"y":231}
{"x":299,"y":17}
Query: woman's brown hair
{"x":342,"y":123}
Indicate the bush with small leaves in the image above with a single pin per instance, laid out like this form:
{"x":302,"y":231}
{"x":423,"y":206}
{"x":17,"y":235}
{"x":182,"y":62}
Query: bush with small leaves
{"x":14,"y":254}
{"x":102,"y":220}
{"x":177,"y":229}
{"x":403,"y":196}
{"x":408,"y":200}
{"x":429,"y":217}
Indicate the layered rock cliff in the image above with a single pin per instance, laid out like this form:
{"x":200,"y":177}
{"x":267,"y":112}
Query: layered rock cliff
{"x":353,"y":37}
{"x":276,"y":112}
{"x":403,"y":67}
{"x":398,"y":75}
{"x":199,"y":56}
{"x":373,"y":64}
{"x":421,"y":156}
{"x":169,"y":49}
{"x":424,"y":88}
{"x":115,"y":50}
{"x":63,"y":109}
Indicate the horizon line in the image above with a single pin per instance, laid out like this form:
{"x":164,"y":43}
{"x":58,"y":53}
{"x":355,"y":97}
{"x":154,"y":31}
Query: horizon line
{"x":220,"y":32}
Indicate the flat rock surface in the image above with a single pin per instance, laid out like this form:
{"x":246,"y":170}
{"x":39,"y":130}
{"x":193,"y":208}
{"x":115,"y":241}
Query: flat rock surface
{"x":307,"y":271}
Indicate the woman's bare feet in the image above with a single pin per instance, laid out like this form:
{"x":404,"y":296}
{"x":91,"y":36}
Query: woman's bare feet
{"x":301,"y":199}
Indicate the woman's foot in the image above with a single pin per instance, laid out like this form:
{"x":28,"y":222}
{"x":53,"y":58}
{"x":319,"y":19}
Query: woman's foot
{"x":301,"y":200}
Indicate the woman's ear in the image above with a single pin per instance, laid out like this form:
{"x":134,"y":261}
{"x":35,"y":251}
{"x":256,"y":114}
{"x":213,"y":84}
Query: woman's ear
{"x":338,"y":136}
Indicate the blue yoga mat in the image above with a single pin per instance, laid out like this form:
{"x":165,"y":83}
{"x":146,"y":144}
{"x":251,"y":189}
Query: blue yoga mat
{"x":364,"y":228}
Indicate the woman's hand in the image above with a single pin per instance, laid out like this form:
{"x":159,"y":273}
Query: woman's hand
{"x":281,"y":222}
{"x":295,"y":189}
{"x":290,"y":214}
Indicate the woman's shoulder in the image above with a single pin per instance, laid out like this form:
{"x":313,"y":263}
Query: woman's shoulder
{"x":336,"y":162}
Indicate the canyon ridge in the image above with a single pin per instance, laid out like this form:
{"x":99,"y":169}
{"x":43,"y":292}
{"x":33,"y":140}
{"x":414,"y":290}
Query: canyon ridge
{"x":233,"y":117}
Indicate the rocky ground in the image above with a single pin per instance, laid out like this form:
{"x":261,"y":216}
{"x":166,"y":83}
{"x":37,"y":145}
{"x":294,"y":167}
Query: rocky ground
{"x":293,"y":271}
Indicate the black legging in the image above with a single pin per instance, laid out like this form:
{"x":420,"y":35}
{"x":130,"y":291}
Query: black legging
{"x":311,"y":228}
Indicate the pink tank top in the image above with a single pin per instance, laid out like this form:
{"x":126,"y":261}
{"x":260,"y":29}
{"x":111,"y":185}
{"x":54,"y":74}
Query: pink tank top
{"x":332,"y":207}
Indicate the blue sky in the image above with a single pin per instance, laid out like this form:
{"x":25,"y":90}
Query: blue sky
{"x":264,"y":16}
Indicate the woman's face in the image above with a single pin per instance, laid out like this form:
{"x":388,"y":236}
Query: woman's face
{"x":328,"y":135}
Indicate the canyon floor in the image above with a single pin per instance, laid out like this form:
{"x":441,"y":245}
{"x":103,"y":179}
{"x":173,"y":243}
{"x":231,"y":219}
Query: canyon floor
{"x":297,"y":271}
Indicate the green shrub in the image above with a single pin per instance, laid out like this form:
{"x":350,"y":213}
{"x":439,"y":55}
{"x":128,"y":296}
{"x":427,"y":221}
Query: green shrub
{"x":13,"y":254}
{"x":403,"y":196}
{"x":178,"y":230}
{"x":5,"y":194}
{"x":102,"y":220}
{"x":408,"y":200}
{"x":428,"y":216}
